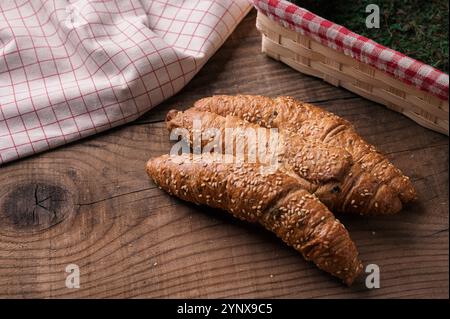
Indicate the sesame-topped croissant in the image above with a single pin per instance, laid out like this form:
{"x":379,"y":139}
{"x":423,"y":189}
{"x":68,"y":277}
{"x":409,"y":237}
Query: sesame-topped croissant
{"x":273,"y":199}
{"x":313,"y":161}
{"x":373,"y":185}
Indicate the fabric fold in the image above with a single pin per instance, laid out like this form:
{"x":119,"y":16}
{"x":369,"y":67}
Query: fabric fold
{"x":72,"y":69}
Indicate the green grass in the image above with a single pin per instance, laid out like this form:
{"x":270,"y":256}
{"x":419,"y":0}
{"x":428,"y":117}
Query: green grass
{"x":416,"y":28}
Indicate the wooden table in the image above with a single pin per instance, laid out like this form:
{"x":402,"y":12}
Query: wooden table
{"x":91,"y":204}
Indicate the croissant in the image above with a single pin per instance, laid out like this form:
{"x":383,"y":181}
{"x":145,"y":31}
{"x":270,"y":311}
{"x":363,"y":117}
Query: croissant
{"x":311,"y":160}
{"x":275,"y":200}
{"x":324,"y":168}
{"x":372,"y":186}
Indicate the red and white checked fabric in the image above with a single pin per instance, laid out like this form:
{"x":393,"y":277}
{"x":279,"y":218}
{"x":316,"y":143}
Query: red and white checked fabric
{"x":337,"y":37}
{"x":72,"y":68}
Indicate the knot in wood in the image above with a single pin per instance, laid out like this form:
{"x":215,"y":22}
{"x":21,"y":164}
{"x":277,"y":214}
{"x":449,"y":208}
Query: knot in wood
{"x":36,"y":206}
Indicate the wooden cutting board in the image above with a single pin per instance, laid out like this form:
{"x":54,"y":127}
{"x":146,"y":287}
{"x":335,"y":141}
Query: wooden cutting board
{"x":91,"y":204}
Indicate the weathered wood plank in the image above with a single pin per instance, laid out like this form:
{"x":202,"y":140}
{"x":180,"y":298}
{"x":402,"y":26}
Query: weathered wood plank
{"x":94,"y":206}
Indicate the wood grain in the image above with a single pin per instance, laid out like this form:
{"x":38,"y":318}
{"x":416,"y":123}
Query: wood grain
{"x":91,"y":204}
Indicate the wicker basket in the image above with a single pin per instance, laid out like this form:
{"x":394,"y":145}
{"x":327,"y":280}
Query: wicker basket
{"x":310,"y":57}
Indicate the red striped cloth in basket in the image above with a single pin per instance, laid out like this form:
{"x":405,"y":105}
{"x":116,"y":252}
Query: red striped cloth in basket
{"x":337,"y":37}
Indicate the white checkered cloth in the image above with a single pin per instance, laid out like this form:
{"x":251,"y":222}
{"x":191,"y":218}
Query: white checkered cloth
{"x":69,"y":69}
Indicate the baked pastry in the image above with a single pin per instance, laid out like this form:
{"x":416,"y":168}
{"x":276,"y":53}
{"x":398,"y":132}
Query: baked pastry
{"x":314,"y":161}
{"x":372,"y":186}
{"x":327,"y":170}
{"x":273,"y":199}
